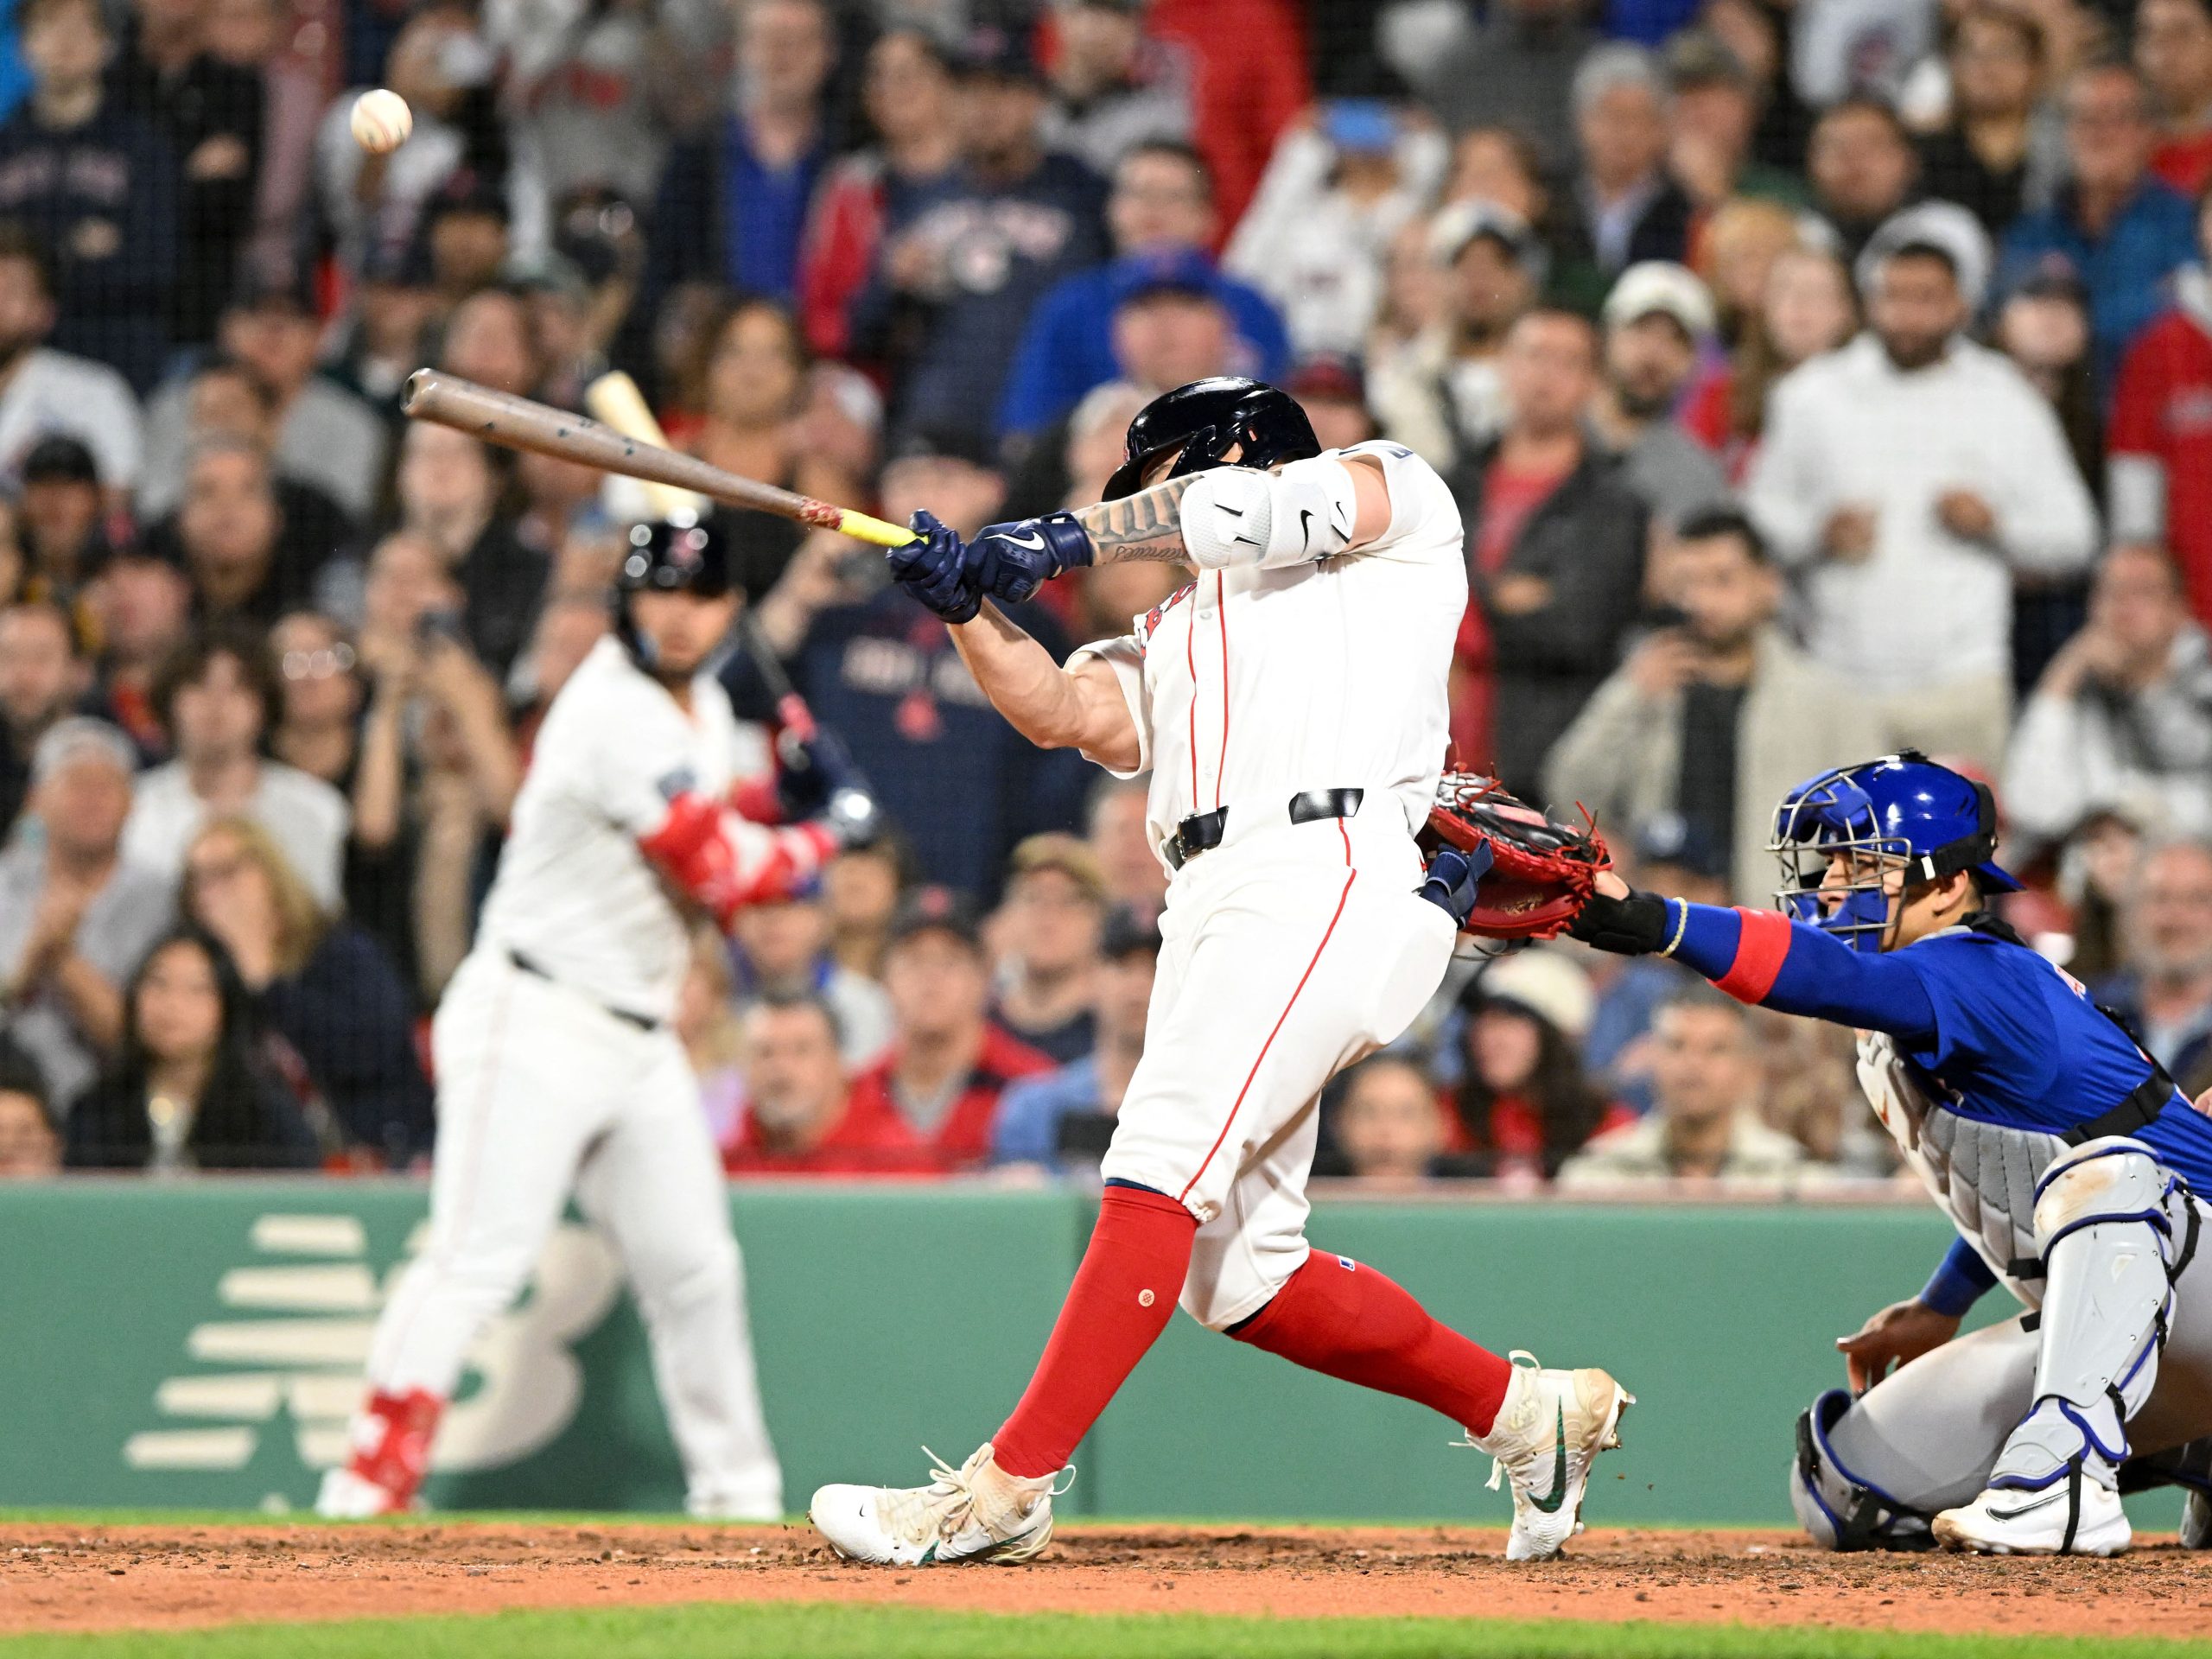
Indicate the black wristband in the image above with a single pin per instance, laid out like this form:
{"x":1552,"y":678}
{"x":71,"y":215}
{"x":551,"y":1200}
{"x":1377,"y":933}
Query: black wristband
{"x":1634,"y":927}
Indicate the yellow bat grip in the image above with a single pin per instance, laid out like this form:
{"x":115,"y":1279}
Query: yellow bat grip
{"x":864,"y":527}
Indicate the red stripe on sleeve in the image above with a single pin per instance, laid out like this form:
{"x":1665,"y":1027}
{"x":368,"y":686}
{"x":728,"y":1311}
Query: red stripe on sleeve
{"x":1759,"y":953}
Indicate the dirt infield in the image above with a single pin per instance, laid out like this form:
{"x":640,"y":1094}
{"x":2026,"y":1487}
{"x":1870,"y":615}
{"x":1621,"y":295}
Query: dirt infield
{"x":55,"y":1578}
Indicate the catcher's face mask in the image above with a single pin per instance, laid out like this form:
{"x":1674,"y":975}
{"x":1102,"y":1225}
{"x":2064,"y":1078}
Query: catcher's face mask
{"x":1839,"y":872}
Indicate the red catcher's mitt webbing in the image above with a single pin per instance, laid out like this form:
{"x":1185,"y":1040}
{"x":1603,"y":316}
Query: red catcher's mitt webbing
{"x":1542,"y":871}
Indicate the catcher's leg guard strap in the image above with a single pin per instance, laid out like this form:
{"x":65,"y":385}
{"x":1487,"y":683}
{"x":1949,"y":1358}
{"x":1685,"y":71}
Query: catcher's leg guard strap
{"x":1839,"y":1510}
{"x":2108,"y":1220}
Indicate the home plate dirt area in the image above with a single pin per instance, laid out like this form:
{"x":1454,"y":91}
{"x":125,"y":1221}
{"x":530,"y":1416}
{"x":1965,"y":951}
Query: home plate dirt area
{"x":57,"y":1576}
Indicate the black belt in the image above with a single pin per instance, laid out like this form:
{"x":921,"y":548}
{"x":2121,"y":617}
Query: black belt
{"x":1202,"y":831}
{"x":641,"y":1022}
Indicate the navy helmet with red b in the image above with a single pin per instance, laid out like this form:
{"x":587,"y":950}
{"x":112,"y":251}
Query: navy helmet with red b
{"x":681,"y":555}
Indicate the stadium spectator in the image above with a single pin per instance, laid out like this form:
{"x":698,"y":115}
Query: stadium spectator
{"x":75,"y":915}
{"x":1737,"y":247}
{"x":1249,"y":81}
{"x":2043,"y":325}
{"x":1671,"y":854}
{"x":707,"y":1023}
{"x":1047,"y":934}
{"x":1159,"y":213}
{"x":40,"y":679}
{"x":2122,"y":718}
{"x":585,"y":91}
{"x":1441,"y":393}
{"x":2159,"y":479}
{"x":215,"y":695}
{"x":1135,"y":880}
{"x":954,"y":284}
{"x":1711,"y":721}
{"x":1715,"y":118}
{"x":145,"y":611}
{"x":2096,"y":870}
{"x":1869,"y":48}
{"x":800,"y":1117}
{"x":2173,"y":53}
{"x":1513,"y":66}
{"x":1906,"y":478}
{"x":1705,"y":1123}
{"x":1990,"y":157}
{"x":1333,"y":390}
{"x":98,"y":187}
{"x":63,"y":521}
{"x":2164,"y":992}
{"x":908,"y":94}
{"x":1339,"y":186}
{"x":1626,"y":206}
{"x":1556,"y":544}
{"x":1658,"y":322}
{"x":1063,"y":1120}
{"x":961,"y":784}
{"x":325,"y":436}
{"x":319,"y":982}
{"x":1862,"y":168}
{"x":748,"y":389}
{"x":1112,"y":88}
{"x":1523,"y":1103}
{"x":1808,"y":309}
{"x":229,"y":536}
{"x":862,"y":888}
{"x":784,"y":948}
{"x":733,"y":202}
{"x":2123,"y":230}
{"x":192,"y":1088}
{"x":454,"y":493}
{"x":226,"y":398}
{"x":44,"y":392}
{"x":1757,"y":35}
{"x":1387,"y":1126}
{"x":30,"y":1140}
{"x":211,"y":112}
{"x":948,"y":1062}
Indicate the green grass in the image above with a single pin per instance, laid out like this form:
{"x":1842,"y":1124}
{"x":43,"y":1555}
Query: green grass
{"x":821,"y":1631}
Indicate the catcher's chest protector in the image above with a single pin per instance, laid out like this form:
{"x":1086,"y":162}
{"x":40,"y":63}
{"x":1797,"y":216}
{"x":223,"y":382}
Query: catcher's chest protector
{"x":1984,"y":1175}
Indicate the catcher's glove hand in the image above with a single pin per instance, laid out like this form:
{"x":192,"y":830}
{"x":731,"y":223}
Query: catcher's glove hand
{"x":1542,"y":871}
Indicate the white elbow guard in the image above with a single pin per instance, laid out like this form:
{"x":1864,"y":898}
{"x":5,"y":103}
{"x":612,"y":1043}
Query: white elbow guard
{"x":1235,"y":516}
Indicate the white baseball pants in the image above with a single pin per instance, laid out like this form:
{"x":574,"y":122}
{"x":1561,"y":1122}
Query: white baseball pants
{"x":542,"y":1092}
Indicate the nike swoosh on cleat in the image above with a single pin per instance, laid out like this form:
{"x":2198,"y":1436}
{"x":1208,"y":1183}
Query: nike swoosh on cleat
{"x":1550,"y":1505}
{"x":2025,"y":1509}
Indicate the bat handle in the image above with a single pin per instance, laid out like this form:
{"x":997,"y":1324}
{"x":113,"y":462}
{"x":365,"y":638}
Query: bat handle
{"x":795,"y":719}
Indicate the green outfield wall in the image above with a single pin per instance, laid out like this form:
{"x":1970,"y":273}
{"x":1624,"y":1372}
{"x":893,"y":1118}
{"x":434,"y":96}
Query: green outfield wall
{"x":198,"y":1345}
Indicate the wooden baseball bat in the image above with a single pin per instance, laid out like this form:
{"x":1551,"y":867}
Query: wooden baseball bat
{"x":515,"y":422}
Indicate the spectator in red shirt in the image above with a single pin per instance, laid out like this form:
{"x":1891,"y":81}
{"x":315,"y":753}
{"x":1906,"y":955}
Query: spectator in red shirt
{"x":948,"y":1062}
{"x":2159,"y":478}
{"x":2173,"y":52}
{"x":799,"y":1119}
{"x":1525,"y":1104}
{"x":1250,"y":79}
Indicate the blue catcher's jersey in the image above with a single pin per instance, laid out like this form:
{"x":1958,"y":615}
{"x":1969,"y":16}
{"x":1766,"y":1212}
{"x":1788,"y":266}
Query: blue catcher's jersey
{"x":2018,"y":1043}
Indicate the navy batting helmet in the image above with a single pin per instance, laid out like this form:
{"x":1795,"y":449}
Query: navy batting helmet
{"x":1208,"y":418}
{"x":683,"y":556}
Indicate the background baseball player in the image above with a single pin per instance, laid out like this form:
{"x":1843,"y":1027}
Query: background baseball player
{"x":556,"y":1067}
{"x":1290,"y":705}
{"x":2063,"y":1153}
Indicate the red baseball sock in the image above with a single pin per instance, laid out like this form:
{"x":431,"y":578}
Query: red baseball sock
{"x":1345,"y":1320}
{"x":1123,"y":1292}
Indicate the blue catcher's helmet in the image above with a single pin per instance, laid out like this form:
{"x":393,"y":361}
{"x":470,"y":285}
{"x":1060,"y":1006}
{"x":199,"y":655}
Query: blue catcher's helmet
{"x":1901,"y":809}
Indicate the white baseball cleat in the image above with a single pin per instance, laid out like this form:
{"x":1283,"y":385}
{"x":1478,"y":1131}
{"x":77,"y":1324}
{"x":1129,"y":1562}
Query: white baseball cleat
{"x":345,"y":1496}
{"x":2073,"y":1517}
{"x":975,"y":1513}
{"x":1548,"y":1433}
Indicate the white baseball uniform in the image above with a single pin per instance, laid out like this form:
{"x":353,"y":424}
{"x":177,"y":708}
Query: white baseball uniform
{"x":557,"y":1071}
{"x":1289,"y":951}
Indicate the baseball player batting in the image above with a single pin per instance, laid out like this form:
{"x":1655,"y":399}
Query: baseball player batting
{"x":1290,"y":705}
{"x":558,"y":1069}
{"x":2063,"y":1153}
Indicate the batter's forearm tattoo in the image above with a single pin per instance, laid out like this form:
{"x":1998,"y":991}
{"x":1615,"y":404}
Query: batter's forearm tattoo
{"x":1148,"y":525}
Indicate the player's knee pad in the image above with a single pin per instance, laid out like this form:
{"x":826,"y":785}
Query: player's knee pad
{"x":1838,"y":1509}
{"x":2109,"y":1180}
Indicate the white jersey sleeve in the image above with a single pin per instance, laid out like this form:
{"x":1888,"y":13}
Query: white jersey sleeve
{"x":1425,"y":522}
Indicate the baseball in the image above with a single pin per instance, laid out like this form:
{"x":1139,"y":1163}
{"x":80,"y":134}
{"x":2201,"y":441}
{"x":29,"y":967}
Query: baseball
{"x":381,"y":121}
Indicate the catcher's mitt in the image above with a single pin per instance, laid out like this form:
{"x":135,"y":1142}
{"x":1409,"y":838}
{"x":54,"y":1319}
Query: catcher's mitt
{"x":1542,"y":871}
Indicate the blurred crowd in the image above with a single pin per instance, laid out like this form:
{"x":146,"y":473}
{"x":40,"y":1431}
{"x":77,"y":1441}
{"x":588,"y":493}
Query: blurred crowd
{"x":1816,"y":377}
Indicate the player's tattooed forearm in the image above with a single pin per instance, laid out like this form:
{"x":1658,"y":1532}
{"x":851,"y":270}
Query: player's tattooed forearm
{"x":1148,"y":525}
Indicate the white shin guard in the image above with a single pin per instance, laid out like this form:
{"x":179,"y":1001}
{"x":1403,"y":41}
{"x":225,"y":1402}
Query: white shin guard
{"x":2112,"y":1226}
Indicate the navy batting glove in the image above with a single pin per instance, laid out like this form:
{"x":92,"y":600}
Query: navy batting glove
{"x":934,"y":570}
{"x":1012,"y":562}
{"x":1453,"y":879}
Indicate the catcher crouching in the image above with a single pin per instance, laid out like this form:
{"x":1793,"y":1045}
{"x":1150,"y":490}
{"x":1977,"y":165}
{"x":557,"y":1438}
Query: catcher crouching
{"x":1289,"y":703}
